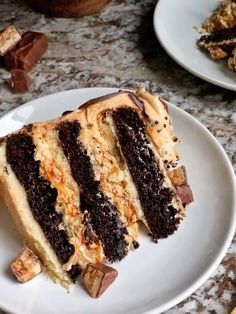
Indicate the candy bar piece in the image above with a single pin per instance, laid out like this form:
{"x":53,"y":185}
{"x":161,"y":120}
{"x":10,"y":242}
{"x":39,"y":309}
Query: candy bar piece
{"x":97,"y":278}
{"x":179,"y":179}
{"x":185,"y":194}
{"x":178,"y":176}
{"x":20,"y":81}
{"x":27,"y":52}
{"x":9,"y":37}
{"x":26,"y":266}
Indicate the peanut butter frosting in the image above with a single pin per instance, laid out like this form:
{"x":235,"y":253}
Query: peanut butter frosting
{"x":159,"y":126}
{"x":55,"y":169}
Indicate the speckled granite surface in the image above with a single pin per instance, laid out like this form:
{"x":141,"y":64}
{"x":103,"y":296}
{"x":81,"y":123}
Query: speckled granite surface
{"x":117,"y":48}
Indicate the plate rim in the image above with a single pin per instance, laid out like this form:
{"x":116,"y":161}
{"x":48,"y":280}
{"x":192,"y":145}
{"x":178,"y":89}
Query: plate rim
{"x":230,"y":234}
{"x":213,"y":81}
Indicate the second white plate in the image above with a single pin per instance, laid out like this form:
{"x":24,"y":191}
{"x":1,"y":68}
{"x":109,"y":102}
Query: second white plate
{"x":174,"y":24}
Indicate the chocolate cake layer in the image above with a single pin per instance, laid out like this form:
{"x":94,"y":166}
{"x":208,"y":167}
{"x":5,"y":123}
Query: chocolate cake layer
{"x":74,"y":272}
{"x":98,"y":209}
{"x":220,"y":38}
{"x":41,"y":197}
{"x":144,"y":168}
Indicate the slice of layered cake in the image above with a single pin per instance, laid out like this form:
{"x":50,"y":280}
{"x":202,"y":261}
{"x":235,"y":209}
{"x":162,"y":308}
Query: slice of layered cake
{"x":77,"y":186}
{"x":219,"y":44}
{"x":220,"y":32}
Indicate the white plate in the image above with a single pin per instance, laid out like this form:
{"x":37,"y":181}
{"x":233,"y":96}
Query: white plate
{"x":174,"y":22}
{"x":156,"y":276}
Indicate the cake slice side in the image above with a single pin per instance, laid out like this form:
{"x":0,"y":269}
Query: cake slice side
{"x":160,"y":203}
{"x":108,"y":164}
{"x":16,"y":199}
{"x":158,"y":142}
{"x":55,"y":168}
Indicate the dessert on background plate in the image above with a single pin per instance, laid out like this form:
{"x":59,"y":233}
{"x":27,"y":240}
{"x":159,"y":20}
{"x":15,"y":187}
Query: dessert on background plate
{"x":220,"y":38}
{"x":78,"y":186}
{"x":223,"y":17}
{"x":185,"y":50}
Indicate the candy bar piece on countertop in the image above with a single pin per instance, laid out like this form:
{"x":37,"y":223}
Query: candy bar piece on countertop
{"x":97,"y":278}
{"x":26,"y":266}
{"x":20,"y":81}
{"x":9,"y":37}
{"x":27,"y":52}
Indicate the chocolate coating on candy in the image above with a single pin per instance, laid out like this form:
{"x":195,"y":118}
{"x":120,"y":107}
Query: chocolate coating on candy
{"x":97,"y":278}
{"x":20,"y":81}
{"x":66,"y":112}
{"x":185,"y":194}
{"x":108,"y":96}
{"x":136,"y":100}
{"x":40,"y":195}
{"x":27,"y":52}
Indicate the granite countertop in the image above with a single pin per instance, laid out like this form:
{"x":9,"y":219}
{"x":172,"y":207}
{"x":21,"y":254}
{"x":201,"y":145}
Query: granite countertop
{"x":118,"y":48}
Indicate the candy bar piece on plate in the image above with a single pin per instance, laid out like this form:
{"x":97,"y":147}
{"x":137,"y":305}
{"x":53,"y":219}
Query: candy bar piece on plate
{"x":97,"y":278}
{"x":179,"y":179}
{"x":185,"y":194}
{"x":178,"y":176}
{"x":26,"y":266}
